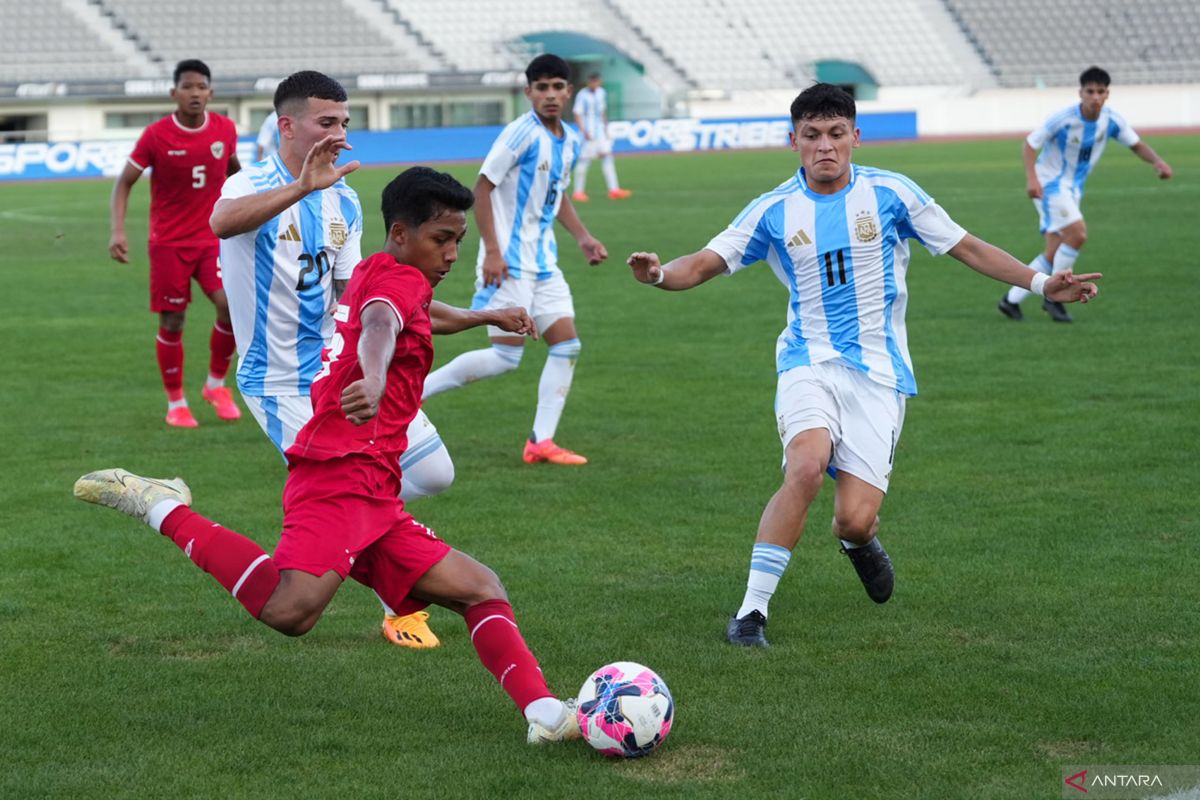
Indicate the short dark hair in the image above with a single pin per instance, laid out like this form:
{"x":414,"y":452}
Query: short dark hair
{"x":299,"y":86}
{"x":1094,"y":74}
{"x":191,"y":65}
{"x":419,"y":194}
{"x":823,"y":101}
{"x":547,"y":65}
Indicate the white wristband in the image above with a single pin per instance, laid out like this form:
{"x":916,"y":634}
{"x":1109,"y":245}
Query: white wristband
{"x":662,"y":276}
{"x":1038,"y":284}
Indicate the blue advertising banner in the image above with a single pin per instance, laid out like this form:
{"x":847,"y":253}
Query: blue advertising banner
{"x":94,"y":159}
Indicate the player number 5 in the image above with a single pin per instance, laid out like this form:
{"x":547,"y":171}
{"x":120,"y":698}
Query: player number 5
{"x":198,"y":179}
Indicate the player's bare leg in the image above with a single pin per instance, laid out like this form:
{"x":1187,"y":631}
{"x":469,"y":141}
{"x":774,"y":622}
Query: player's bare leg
{"x":169,"y":349}
{"x":563,"y":346}
{"x":856,"y":524}
{"x":221,"y":346}
{"x":299,"y":600}
{"x":779,"y":529}
{"x":462,"y":584}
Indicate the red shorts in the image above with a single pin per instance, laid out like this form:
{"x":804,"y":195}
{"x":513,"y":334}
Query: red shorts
{"x":172,"y":268}
{"x":345,"y":515}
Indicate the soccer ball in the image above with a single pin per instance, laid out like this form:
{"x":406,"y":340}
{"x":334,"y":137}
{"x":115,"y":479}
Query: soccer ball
{"x":625,"y":709}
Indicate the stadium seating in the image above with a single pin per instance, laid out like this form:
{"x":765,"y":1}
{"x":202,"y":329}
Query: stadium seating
{"x":262,"y":37}
{"x":1030,"y":42}
{"x":699,"y":44}
{"x":43,"y":42}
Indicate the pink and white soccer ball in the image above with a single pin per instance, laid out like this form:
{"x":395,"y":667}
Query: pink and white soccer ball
{"x":625,"y":709}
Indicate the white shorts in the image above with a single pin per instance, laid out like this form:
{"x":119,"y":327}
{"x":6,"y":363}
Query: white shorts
{"x":596,"y":148}
{"x":1057,"y":210}
{"x":863,"y":417}
{"x":547,"y":301}
{"x":281,"y":419}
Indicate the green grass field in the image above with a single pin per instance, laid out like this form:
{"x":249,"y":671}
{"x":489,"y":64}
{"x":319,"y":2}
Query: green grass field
{"x":1043,"y":522}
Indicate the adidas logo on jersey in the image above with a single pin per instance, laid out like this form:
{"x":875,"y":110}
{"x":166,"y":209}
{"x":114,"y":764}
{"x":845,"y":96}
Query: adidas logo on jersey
{"x":544,"y":166}
{"x":799,"y":239}
{"x":290,"y":235}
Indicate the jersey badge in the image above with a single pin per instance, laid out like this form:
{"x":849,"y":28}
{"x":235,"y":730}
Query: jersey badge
{"x":865,"y":229}
{"x":337,"y":232}
{"x":218,"y":149}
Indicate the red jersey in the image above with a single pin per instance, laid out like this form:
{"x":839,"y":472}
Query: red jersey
{"x":329,"y":434}
{"x":189,"y":169}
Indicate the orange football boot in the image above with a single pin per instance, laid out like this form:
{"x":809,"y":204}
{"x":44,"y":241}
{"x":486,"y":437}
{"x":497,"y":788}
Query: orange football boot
{"x":546,"y":450}
{"x":222,"y":400}
{"x":619,"y":194}
{"x":411,"y":630}
{"x":181,"y":418}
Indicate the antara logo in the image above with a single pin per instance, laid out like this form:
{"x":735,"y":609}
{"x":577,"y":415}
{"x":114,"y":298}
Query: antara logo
{"x":1077,"y":780}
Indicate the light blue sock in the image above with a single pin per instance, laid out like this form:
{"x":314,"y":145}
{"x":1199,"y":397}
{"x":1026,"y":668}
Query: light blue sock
{"x":767,"y":563}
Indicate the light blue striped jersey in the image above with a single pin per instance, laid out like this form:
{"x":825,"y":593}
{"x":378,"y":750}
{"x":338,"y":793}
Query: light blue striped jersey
{"x":843,"y":258}
{"x":590,"y":105}
{"x":1071,"y":146}
{"x":530,"y":168}
{"x":268,"y":135}
{"x":279,"y":279}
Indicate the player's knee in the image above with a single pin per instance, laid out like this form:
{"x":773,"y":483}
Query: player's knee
{"x":172,"y":320}
{"x":506,"y":357}
{"x":855,"y":525}
{"x":290,"y":620}
{"x":803,"y":474}
{"x":431,"y":475}
{"x":485,"y":585}
{"x":568,"y":349}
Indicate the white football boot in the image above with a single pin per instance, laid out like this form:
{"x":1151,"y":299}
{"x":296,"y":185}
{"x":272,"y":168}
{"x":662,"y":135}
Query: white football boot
{"x":130,"y":494}
{"x":568,"y":728}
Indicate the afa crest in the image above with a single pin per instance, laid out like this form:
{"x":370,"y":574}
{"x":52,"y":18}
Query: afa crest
{"x":337,"y":232}
{"x":218,"y":149}
{"x":865,"y":229}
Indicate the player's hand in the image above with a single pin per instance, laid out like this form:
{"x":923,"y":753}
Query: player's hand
{"x":118,"y":248}
{"x":1034,"y":189}
{"x":515,"y":320}
{"x":1067,"y":287}
{"x":646,"y":267}
{"x":494,"y":269}
{"x":593,"y":250}
{"x":1163,"y":169}
{"x":320,"y":170}
{"x":360,"y":400}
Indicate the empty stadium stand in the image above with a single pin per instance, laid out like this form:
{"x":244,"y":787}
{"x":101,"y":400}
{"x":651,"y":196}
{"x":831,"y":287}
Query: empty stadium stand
{"x":1031,"y":42}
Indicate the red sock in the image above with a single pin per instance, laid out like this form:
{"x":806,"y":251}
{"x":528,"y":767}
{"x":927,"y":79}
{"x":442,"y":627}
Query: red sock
{"x":238,"y":564}
{"x":503,"y":651}
{"x":221,"y":346}
{"x":170,"y":362}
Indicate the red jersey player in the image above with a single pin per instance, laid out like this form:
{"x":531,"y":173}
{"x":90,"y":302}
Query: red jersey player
{"x":342,"y":516}
{"x":191,"y":152}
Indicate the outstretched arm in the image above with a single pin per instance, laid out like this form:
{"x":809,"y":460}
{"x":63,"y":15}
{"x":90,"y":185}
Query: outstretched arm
{"x":1146,"y":153}
{"x":682,"y":273}
{"x":118,"y":205}
{"x":1063,"y":287}
{"x":592,"y":249}
{"x":446,"y":319}
{"x":376,"y":345}
{"x":231,"y":217}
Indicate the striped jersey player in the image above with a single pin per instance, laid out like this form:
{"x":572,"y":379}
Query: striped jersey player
{"x":1071,"y":143}
{"x":591,"y":115}
{"x":837,"y":236}
{"x":518,"y":196}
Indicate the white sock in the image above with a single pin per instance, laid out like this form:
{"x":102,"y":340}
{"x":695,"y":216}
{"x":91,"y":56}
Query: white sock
{"x":767,"y":563}
{"x":546,"y":711}
{"x":159,"y":512}
{"x":425,"y":470}
{"x":386,"y":608}
{"x":1016,"y":294}
{"x":473,"y":366}
{"x":553,"y":387}
{"x":581,"y":174}
{"x":1064,"y":258}
{"x":609,"y":167}
{"x":213,"y":382}
{"x":174,"y":404}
